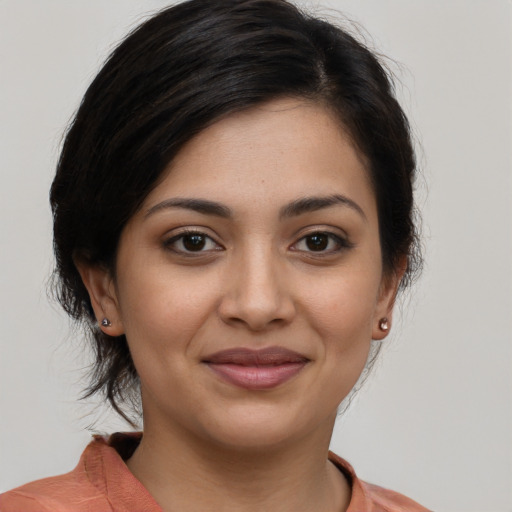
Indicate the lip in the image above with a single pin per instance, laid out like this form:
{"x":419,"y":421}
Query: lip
{"x":256,"y":369}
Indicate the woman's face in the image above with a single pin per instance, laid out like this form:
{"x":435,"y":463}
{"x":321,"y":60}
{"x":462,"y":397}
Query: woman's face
{"x":250,"y":284}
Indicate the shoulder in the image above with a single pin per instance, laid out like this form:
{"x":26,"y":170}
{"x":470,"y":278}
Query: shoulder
{"x":71,"y":491}
{"x":76,"y":491}
{"x":101,"y":482}
{"x":368,"y":497}
{"x":385,"y":500}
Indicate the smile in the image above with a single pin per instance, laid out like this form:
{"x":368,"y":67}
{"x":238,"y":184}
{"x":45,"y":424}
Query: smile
{"x":256,"y":369}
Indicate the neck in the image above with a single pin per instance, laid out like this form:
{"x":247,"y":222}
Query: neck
{"x":294,"y":477}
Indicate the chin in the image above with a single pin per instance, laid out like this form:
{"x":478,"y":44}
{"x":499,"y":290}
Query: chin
{"x":262,"y":428}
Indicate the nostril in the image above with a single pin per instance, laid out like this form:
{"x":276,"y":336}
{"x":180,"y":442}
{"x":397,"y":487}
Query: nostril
{"x":256,"y":295}
{"x":256,"y":316}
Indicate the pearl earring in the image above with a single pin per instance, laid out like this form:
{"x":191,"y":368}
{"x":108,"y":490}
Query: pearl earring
{"x":106,"y":322}
{"x":384,"y":324}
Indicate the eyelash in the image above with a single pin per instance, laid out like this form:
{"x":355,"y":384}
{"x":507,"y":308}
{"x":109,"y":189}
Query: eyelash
{"x":339,"y":242}
{"x":170,"y":243}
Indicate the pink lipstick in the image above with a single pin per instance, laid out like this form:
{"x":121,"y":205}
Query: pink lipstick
{"x":256,"y":369}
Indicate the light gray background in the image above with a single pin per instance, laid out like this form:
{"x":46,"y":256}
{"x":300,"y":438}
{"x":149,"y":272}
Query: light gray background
{"x":435,"y":419}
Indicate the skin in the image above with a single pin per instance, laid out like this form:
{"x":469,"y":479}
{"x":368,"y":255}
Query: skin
{"x":256,"y":282}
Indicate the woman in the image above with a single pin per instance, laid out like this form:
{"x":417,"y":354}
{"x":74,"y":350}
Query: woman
{"x":232,"y":220}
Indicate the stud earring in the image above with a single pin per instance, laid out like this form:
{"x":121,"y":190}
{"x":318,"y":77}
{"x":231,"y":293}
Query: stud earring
{"x":106,"y":322}
{"x":384,"y":324}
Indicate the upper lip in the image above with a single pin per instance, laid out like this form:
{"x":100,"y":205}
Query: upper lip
{"x":270,"y":356}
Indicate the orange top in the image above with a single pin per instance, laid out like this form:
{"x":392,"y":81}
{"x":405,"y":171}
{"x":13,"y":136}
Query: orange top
{"x":103,"y":483}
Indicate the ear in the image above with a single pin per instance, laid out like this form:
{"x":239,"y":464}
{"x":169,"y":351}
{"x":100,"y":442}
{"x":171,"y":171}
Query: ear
{"x":101,"y":287}
{"x":386,"y":301}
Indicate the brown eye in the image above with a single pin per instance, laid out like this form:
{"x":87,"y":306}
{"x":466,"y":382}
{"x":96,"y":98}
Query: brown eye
{"x":317,"y":242}
{"x":191,"y":242}
{"x":194,"y":242}
{"x":323,"y":243}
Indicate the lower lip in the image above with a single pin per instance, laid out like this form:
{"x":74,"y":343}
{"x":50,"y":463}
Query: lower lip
{"x":257,"y":377}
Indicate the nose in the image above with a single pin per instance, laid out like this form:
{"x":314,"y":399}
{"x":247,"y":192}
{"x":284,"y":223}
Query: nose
{"x":258,"y":293}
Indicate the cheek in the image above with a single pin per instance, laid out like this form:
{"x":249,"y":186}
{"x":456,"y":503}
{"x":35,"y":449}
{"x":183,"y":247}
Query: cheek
{"x":342,"y":312}
{"x":343,"y":306}
{"x":162,"y":308}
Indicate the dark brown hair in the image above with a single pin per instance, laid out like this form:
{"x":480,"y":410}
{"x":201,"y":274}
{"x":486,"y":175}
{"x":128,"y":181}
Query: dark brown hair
{"x":181,"y":71}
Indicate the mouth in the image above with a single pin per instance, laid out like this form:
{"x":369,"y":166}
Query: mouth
{"x":256,"y":369}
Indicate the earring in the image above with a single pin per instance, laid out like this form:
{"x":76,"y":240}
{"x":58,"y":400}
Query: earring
{"x":384,"y":324}
{"x":106,"y":322}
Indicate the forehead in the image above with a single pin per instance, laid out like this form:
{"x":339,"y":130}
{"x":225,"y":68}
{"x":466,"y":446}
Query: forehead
{"x":268,"y":154}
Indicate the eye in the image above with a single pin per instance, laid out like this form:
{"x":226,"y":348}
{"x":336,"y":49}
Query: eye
{"x":321,"y":242}
{"x":192,"y":242}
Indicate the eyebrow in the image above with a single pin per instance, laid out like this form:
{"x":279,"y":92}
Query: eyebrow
{"x":311,"y":204}
{"x":197,"y":205}
{"x":293,"y":209}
